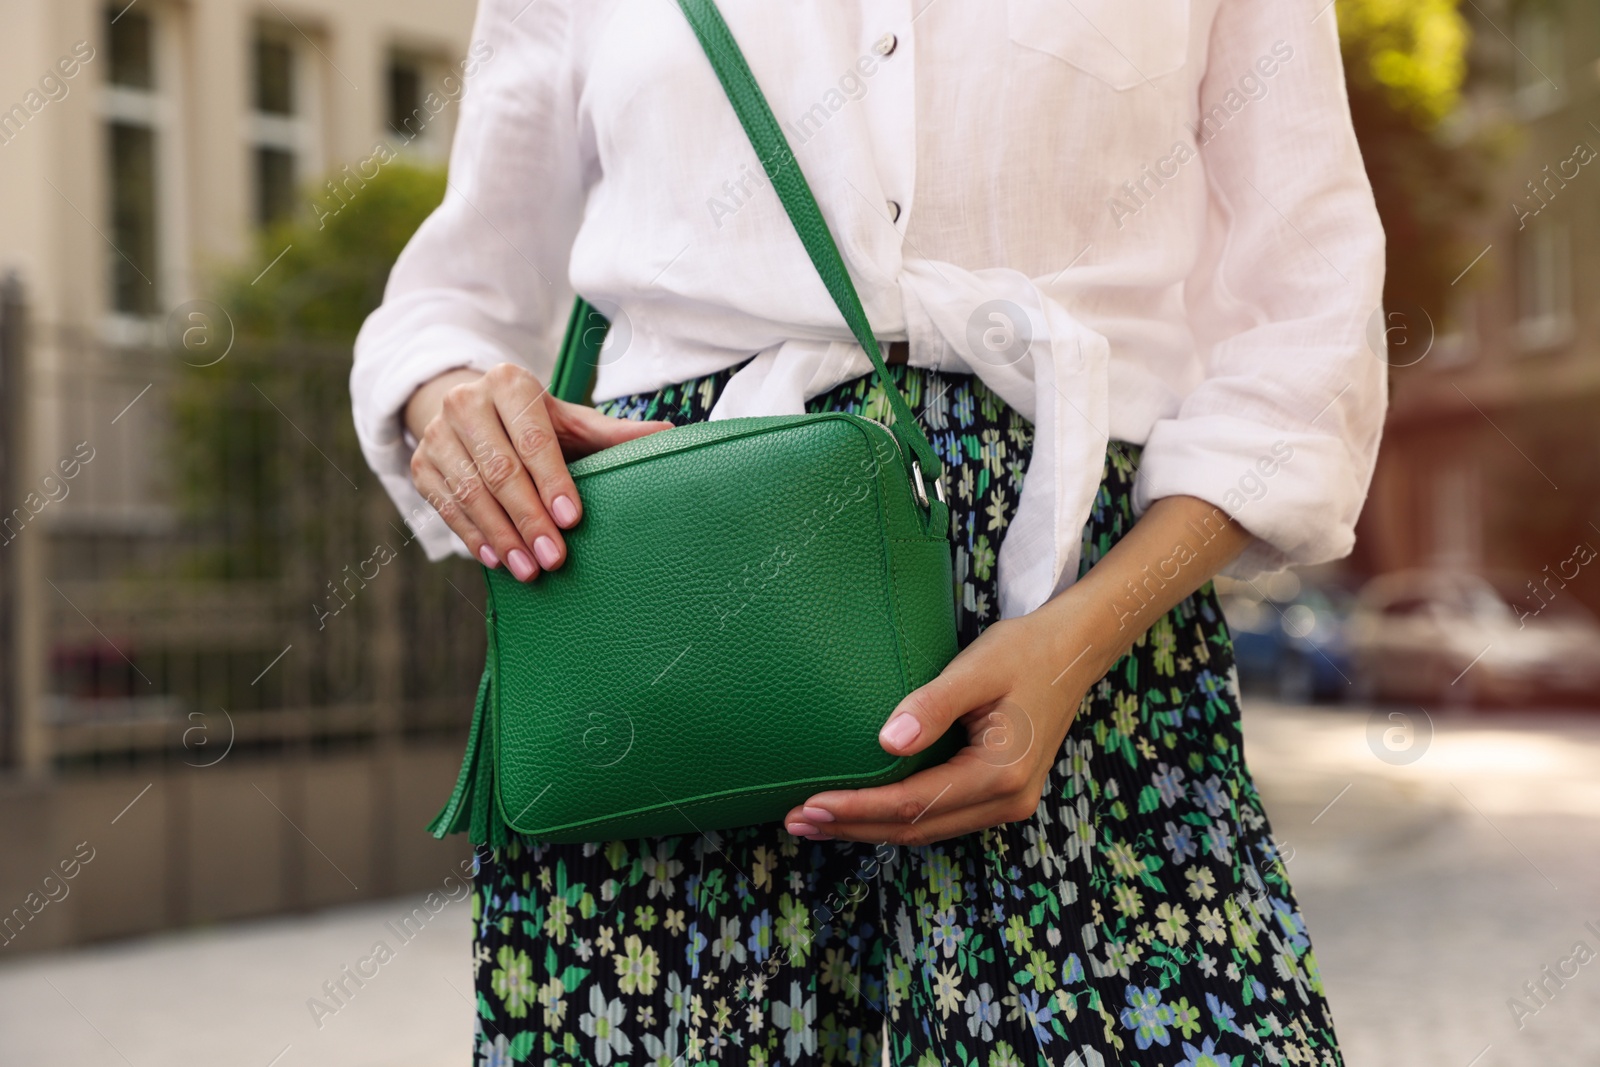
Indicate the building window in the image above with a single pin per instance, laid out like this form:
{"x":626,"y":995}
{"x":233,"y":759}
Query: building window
{"x":282,"y":92}
{"x":1544,"y":285}
{"x":132,"y":49}
{"x":422,"y":92}
{"x":1457,"y":533}
{"x":405,"y":93}
{"x":134,"y":113}
{"x":275,"y":185}
{"x":1458,"y":335}
{"x":133,"y":218}
{"x":1539,"y":63}
{"x":274,"y":86}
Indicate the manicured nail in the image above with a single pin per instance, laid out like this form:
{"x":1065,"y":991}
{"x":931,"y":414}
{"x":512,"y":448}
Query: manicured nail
{"x":520,"y":564}
{"x":901,"y":731}
{"x":565,"y":511}
{"x":546,"y":552}
{"x":800,"y":829}
{"x":817,"y":814}
{"x":490,"y":560}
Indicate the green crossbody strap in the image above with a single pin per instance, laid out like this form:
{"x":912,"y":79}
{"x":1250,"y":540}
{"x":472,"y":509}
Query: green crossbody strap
{"x":777,"y":159}
{"x":574,"y":374}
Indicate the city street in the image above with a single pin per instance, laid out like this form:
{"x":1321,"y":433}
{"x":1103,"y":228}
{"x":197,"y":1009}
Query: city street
{"x":1434,"y":889}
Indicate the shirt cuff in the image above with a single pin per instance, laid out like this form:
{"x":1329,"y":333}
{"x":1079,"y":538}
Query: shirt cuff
{"x":382,"y":385}
{"x":1298,"y":494}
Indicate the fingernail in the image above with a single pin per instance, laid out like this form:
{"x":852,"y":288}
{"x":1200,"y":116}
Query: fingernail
{"x":817,"y":814}
{"x":901,"y":731}
{"x":546,"y":552}
{"x":800,"y":829}
{"x":520,"y":564}
{"x":490,"y":560}
{"x":565,"y":511}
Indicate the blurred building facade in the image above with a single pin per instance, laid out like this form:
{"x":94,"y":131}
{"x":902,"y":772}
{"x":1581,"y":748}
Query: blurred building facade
{"x":184,"y":716}
{"x":143,"y":143}
{"x":1491,"y":457}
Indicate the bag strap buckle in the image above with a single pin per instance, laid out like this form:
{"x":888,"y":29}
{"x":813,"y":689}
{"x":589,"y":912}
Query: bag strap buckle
{"x":919,"y":485}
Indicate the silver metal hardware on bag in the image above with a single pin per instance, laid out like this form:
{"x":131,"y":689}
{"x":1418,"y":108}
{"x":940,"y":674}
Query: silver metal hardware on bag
{"x":919,"y":485}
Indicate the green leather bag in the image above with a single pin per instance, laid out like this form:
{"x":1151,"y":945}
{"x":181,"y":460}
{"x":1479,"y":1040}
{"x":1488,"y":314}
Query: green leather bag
{"x":743,"y":604}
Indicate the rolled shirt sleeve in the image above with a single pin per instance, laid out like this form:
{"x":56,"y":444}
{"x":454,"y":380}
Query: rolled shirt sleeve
{"x":1282,"y":431}
{"x":484,"y":280}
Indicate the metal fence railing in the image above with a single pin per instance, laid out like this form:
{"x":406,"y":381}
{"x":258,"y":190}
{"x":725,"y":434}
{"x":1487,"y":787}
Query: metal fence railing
{"x":216,"y":564}
{"x":13,"y":433}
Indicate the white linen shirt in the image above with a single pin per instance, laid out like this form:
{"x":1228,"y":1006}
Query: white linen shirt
{"x":1136,"y":220}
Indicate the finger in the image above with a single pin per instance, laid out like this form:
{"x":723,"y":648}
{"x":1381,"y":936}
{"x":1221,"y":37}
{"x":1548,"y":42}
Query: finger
{"x":522,"y":404}
{"x":937,"y":825}
{"x":921,"y":718}
{"x":584,"y":430}
{"x":430,"y":485}
{"x":463,"y":486}
{"x":966,"y":780}
{"x":476,"y":419}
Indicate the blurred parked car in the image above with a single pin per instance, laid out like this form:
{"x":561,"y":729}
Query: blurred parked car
{"x":1453,"y":638}
{"x":1289,"y":636}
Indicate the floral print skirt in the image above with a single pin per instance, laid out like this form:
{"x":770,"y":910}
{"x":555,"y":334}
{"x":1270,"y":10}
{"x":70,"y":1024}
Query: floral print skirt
{"x":1141,"y":917}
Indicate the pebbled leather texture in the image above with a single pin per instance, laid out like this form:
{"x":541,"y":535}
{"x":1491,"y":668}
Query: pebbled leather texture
{"x":742,"y":606}
{"x":730,"y":631}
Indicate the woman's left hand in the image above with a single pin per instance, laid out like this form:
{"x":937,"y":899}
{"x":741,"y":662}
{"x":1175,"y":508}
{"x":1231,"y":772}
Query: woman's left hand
{"x":1018,"y":687}
{"x":1016,"y":696}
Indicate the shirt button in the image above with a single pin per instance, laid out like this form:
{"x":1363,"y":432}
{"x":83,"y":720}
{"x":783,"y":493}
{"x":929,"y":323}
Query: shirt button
{"x":886,"y":44}
{"x":894,"y":211}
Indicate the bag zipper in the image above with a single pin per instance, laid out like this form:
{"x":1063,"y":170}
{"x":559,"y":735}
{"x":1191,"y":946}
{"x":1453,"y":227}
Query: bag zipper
{"x":917,"y":489}
{"x":886,"y":430}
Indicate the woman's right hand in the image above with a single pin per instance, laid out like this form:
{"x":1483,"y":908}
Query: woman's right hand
{"x":492,"y":456}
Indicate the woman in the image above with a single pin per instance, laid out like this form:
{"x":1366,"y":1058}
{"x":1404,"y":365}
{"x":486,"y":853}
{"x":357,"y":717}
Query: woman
{"x":1128,"y":254}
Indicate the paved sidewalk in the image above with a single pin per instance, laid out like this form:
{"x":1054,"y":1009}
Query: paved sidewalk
{"x":1433,"y":891}
{"x":237,"y":996}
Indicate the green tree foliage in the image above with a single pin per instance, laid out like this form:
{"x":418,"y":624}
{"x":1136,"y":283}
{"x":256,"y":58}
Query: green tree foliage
{"x":1405,"y":65}
{"x":280,"y":505}
{"x":338,"y":259}
{"x":271,"y":473}
{"x":1412,"y":51}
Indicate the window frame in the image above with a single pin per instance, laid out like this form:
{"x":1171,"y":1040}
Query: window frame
{"x":432,"y":141}
{"x":1543,"y":295}
{"x":157,"y":108}
{"x":1539,"y":68}
{"x":298,"y":134}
